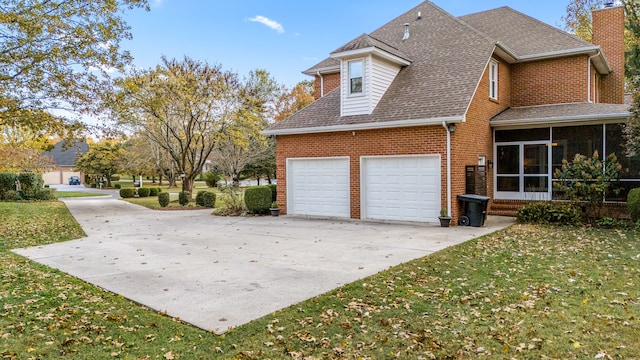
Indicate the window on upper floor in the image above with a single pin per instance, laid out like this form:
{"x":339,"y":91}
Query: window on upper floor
{"x":493,"y":80}
{"x":355,"y":76}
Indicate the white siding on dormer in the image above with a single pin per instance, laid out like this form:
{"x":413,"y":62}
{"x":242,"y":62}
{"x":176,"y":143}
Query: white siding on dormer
{"x":357,"y":104}
{"x":378,"y":74}
{"x":382,"y":75}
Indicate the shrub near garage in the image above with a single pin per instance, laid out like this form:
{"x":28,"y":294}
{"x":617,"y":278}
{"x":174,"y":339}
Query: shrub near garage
{"x":633,"y":203}
{"x":209,"y":199}
{"x":154,"y":191}
{"x":258,"y":199}
{"x":163,"y":199}
{"x":143,"y":192}
{"x":127,"y":193}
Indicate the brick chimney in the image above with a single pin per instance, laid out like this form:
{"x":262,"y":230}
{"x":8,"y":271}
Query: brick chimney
{"x":608,"y":33}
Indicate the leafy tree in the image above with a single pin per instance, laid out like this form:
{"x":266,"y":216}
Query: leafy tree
{"x":243,"y":142}
{"x":183,"y":107}
{"x":102,"y":160}
{"x":20,"y":159}
{"x":578,"y":21}
{"x":290,"y":102}
{"x":632,"y":128}
{"x":588,"y":179}
{"x":57,"y":55}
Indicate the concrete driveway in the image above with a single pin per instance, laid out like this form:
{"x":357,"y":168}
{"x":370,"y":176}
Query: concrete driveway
{"x":216,"y":272}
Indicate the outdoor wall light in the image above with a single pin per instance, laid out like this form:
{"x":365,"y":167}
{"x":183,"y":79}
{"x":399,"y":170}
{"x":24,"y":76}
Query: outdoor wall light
{"x":452,"y":128}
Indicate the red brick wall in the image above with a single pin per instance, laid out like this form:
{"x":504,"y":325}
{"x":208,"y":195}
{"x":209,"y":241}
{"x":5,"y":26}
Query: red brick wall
{"x":331,"y":81}
{"x":608,"y":33}
{"x":552,"y":81}
{"x":475,"y":137}
{"x":400,"y":141}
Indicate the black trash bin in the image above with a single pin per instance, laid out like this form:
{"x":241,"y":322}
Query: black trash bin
{"x":475,"y":210}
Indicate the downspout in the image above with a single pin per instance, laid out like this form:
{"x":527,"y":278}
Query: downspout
{"x":321,"y":84}
{"x":446,"y":128}
{"x":589,"y":76}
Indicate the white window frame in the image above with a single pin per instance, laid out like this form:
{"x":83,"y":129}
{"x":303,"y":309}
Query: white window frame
{"x":493,"y":79}
{"x":361,"y":61}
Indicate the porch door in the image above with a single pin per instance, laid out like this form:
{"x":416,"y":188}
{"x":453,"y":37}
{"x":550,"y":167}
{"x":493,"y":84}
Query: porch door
{"x":523,"y":171}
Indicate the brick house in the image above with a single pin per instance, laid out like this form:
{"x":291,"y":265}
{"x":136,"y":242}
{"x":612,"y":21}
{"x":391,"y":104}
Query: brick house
{"x":430,"y":106}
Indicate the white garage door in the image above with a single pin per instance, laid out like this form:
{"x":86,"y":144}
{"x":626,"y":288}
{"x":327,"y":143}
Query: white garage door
{"x":405,"y":188}
{"x":318,"y":187}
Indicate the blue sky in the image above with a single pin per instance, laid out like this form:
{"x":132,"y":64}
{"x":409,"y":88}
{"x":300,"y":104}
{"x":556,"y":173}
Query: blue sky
{"x":282,"y":36}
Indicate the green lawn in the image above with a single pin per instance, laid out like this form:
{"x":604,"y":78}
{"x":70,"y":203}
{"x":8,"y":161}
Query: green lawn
{"x":527,"y":292}
{"x":73,"y":194}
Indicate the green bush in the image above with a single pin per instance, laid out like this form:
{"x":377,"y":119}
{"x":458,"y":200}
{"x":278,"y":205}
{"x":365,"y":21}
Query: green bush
{"x":11,"y":195}
{"x":94,"y":186}
{"x":549,"y":213}
{"x":274,"y":192}
{"x":46,"y":194}
{"x":143,"y":192}
{"x":7,"y":181}
{"x":633,"y":203}
{"x":154,"y":191}
{"x":258,"y":199}
{"x":200,"y":198}
{"x":127,"y":193}
{"x":209,"y":199}
{"x":118,"y":186}
{"x":30,"y":184}
{"x":212,"y":177}
{"x":184,"y":197}
{"x":163,"y":199}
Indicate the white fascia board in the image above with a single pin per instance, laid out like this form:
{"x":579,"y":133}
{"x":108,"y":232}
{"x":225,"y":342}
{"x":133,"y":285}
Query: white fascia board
{"x":550,"y":121}
{"x":600,"y":61}
{"x":371,"y":51}
{"x":324,"y":70}
{"x":367,"y":126}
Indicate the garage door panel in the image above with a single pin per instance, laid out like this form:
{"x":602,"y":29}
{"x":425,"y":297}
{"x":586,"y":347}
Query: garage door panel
{"x":319,"y":187}
{"x":410,"y":190}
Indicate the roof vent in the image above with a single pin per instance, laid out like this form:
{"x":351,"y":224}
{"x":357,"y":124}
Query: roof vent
{"x":406,"y":32}
{"x":419,"y":15}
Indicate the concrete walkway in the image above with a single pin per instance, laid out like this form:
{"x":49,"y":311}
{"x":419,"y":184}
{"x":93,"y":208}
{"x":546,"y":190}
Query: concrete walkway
{"x":217,"y":272}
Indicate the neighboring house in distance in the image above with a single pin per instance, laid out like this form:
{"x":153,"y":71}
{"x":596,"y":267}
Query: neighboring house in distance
{"x":64,"y":159}
{"x":430,"y":106}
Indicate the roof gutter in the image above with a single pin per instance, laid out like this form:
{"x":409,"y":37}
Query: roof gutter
{"x":512,"y":57}
{"x":366,"y":126}
{"x":372,"y":51}
{"x":324,"y":70}
{"x":560,"y":120}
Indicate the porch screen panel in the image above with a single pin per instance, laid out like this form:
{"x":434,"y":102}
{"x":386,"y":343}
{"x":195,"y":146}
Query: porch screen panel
{"x":508,"y":168}
{"x":630,"y":173}
{"x":536,"y":168}
{"x":571,"y":140}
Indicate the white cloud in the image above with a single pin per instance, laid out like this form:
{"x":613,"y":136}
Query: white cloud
{"x":269,"y":23}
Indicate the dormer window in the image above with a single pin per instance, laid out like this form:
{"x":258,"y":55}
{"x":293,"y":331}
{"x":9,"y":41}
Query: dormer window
{"x":493,"y":80}
{"x":355,"y":77}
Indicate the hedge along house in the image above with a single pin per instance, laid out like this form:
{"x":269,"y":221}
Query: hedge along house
{"x":430,"y":106}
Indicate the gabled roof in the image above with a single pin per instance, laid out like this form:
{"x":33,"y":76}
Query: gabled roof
{"x":559,"y":114}
{"x":66,"y":154}
{"x":366,"y":41}
{"x":524,"y":38}
{"x":522,"y":34}
{"x":430,"y":90}
{"x":448,"y":57}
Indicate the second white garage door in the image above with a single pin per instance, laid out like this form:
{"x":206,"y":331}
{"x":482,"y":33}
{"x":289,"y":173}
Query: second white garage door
{"x":318,"y":187}
{"x":403,"y":188}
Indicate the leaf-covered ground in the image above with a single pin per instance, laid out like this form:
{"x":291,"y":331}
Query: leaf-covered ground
{"x":528,"y":292}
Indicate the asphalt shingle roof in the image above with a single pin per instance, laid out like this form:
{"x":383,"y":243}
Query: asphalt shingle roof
{"x":448,"y":57}
{"x":367,"y":41}
{"x":66,"y":154}
{"x":523,"y":34}
{"x":433,"y":86}
{"x":549,"y":114}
